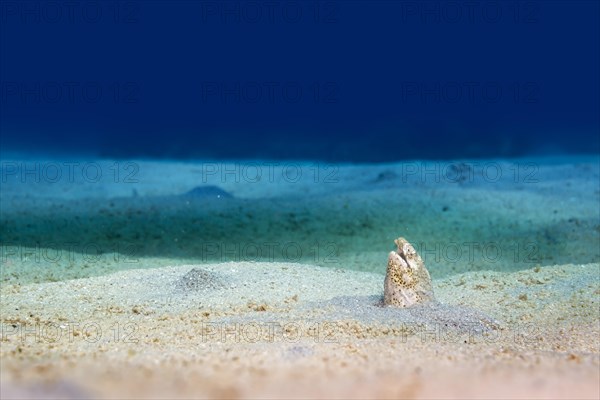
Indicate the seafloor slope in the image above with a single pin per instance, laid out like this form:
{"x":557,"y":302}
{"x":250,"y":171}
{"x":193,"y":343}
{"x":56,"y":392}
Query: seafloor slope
{"x":144,"y":279}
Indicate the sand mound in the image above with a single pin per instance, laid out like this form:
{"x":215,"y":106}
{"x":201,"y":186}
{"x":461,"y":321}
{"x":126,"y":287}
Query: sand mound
{"x":199,"y":279}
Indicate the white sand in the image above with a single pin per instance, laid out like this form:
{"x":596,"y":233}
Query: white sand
{"x":277,"y":321}
{"x":524,"y":324}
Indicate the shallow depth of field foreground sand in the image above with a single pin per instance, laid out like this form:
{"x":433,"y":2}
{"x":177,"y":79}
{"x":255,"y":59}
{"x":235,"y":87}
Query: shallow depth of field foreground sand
{"x":284,"y":330}
{"x":166,"y":280}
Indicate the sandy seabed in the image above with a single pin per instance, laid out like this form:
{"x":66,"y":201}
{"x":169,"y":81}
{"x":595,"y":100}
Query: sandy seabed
{"x":180,"y":317}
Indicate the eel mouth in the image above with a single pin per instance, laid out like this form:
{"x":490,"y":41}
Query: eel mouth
{"x":402,"y":255}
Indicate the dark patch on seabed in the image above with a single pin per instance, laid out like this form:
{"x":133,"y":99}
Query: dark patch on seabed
{"x":207,"y":192}
{"x":435,"y":317}
{"x":330,"y":231}
{"x":199,"y":280}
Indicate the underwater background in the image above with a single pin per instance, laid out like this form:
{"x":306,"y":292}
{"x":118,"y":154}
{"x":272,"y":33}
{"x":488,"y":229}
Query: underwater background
{"x":181,"y":132}
{"x":348,"y":81}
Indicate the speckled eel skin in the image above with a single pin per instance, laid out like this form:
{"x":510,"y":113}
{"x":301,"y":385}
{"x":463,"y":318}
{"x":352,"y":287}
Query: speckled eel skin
{"x":407,"y":281}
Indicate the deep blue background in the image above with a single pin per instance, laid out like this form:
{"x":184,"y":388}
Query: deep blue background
{"x":379,"y":80}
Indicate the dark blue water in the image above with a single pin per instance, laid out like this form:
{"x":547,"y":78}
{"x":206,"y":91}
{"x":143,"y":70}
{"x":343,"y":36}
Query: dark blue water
{"x":338,"y":81}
